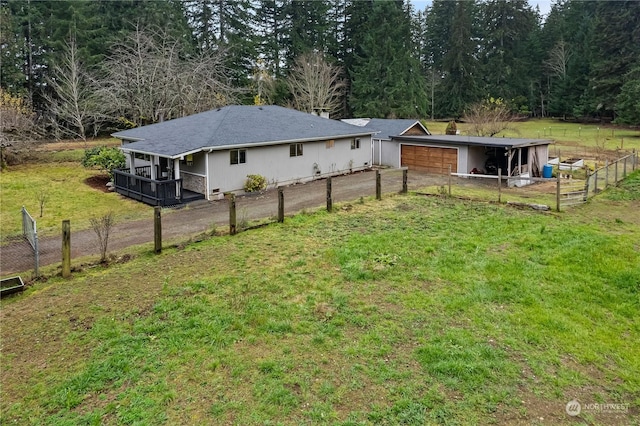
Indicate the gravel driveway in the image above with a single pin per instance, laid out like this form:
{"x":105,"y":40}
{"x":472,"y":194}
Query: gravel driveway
{"x":202,"y":216}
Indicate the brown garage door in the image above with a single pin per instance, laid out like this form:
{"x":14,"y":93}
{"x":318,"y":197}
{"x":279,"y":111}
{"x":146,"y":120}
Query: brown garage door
{"x":429,"y":159}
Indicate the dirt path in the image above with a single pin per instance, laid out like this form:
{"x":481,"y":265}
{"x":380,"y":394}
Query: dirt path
{"x":202,"y":216}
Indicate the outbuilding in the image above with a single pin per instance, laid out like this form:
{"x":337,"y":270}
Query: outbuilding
{"x":468,"y":154}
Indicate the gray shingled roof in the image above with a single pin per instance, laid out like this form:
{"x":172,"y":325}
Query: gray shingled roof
{"x":389,"y":127}
{"x":384,"y":127}
{"x":476,"y":140}
{"x":234,"y":125}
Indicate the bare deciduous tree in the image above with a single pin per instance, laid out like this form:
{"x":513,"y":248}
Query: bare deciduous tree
{"x":150,"y":78}
{"x":488,"y":118}
{"x":73,"y":103}
{"x":17,"y":119}
{"x":558,"y":59}
{"x":102,"y":227}
{"x":43,"y":197}
{"x":315,"y":84}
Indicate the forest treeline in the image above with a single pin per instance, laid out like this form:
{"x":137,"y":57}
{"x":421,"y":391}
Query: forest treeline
{"x":85,"y":66}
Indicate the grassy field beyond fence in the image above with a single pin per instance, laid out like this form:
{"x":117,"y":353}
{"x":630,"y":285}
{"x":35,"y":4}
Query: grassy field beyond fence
{"x":67,"y":197}
{"x":591,"y":141}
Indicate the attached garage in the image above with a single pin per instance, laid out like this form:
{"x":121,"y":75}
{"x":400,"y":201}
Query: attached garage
{"x":429,"y":159}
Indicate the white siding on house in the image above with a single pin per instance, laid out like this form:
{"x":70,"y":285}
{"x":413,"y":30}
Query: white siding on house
{"x":275,"y":163}
{"x":390,"y":154}
{"x":198,"y":166}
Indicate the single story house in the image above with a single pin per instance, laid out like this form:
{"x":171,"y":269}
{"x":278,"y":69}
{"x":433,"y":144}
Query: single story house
{"x":207,"y":154}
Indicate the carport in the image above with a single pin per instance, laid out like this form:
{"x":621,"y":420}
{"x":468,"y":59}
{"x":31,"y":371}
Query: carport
{"x":473,"y":154}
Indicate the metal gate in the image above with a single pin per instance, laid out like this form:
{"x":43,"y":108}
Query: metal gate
{"x":30,"y":233}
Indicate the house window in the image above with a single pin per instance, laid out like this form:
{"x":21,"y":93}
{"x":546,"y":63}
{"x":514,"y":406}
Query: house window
{"x":238,"y":156}
{"x":355,"y":143}
{"x":140,"y":156}
{"x":331,"y":143}
{"x":295,"y":150}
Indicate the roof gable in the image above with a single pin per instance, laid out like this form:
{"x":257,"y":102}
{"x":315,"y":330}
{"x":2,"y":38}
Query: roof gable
{"x":386,"y":128}
{"x":234,"y":125}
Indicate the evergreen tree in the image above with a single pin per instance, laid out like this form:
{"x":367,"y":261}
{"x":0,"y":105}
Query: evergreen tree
{"x":308,"y":28}
{"x":569,"y":24}
{"x":387,"y":78}
{"x":437,"y":36}
{"x":460,"y":67}
{"x":509,"y":60}
{"x":356,"y":26}
{"x":628,"y":101}
{"x":271,"y":25}
{"x":616,"y":50}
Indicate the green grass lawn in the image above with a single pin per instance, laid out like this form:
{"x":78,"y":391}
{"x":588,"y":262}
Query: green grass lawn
{"x":411,"y":310}
{"x":570,"y":138}
{"x":69,"y":197}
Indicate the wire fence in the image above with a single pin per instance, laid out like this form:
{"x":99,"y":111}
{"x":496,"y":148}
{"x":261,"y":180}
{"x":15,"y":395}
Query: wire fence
{"x":610,"y":174}
{"x":569,"y":187}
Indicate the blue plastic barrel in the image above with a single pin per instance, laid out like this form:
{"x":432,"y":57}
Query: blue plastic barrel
{"x":547,"y":171}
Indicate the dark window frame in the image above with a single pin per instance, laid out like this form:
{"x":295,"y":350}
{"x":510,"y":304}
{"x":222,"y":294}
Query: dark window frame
{"x":237,"y":156}
{"x":295,"y":150}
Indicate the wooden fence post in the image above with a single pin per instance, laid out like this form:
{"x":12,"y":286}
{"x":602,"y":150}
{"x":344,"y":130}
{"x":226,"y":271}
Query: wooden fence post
{"x":635,"y":159}
{"x":595,"y":182}
{"x":624,"y":168}
{"x":232,"y":214}
{"x":66,"y":248}
{"x":157,"y":229}
{"x":405,"y":180}
{"x":615,"y":181}
{"x":499,"y":185}
{"x":280,"y":205}
{"x":558,"y":191}
{"x":606,"y":173}
{"x":378,"y":186}
{"x":586,"y":185}
{"x":449,"y":180}
{"x":329,"y":200}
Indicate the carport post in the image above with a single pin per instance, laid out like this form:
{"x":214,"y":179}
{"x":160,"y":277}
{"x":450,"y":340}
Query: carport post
{"x":558,"y":191}
{"x":157,"y":229}
{"x":404,"y":180}
{"x":378,"y":186}
{"x":280,"y":205}
{"x":66,"y":248}
{"x":499,"y":185}
{"x":329,"y":200}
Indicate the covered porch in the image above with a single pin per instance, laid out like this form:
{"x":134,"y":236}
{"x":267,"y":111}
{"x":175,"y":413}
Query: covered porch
{"x":154,"y":180}
{"x":162,"y":193}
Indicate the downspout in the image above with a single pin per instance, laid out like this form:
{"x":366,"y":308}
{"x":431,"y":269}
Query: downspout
{"x":206,"y":168}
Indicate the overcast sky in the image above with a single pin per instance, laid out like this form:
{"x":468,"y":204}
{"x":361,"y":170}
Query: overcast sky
{"x":545,"y":5}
